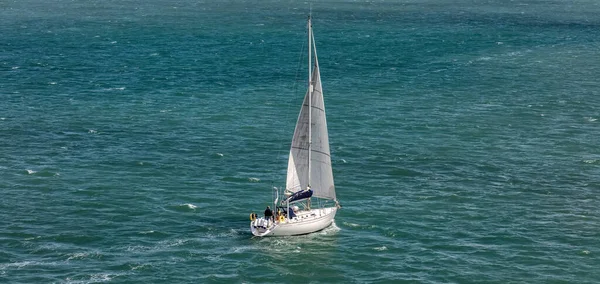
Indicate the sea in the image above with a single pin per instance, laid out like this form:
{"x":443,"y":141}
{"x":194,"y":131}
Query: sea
{"x":137,"y":136}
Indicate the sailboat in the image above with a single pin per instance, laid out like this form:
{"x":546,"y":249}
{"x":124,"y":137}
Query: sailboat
{"x":309,"y":202}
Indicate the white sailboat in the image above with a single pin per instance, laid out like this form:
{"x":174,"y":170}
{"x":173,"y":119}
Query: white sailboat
{"x":309,"y":175}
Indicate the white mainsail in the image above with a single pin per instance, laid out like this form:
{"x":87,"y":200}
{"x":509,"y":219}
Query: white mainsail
{"x":321,"y":176}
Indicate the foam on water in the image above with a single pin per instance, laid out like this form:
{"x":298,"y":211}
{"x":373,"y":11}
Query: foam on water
{"x":93,"y":278}
{"x":190,"y":206}
{"x":83,"y":255}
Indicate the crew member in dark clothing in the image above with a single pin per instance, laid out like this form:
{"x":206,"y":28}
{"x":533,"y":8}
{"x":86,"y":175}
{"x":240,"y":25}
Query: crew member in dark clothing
{"x":268,"y":213}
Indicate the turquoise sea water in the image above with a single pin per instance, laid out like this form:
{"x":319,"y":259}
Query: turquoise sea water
{"x":137,"y":136}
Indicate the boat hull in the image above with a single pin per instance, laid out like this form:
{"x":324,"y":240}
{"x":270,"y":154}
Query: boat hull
{"x":305,"y":222}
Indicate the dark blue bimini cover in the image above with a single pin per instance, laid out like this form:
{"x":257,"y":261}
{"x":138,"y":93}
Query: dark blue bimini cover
{"x":304,"y":194}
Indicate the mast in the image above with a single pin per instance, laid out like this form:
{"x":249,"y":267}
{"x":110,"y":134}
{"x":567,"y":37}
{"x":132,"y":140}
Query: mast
{"x":310,"y":91}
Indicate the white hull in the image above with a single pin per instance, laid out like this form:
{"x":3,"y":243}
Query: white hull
{"x":304,"y":223}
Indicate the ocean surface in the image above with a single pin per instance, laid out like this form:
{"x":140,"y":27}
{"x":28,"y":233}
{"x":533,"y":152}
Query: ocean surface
{"x":137,"y":136}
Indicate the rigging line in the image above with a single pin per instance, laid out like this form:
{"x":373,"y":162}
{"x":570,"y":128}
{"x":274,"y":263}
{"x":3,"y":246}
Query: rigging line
{"x":287,"y":112}
{"x":312,"y":150}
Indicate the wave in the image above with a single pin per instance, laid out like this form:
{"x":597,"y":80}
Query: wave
{"x":43,"y":173}
{"x":187,"y":206}
{"x":83,"y":255}
{"x":93,"y":278}
{"x":333,"y":229}
{"x":240,"y":179}
{"x":18,"y":265}
{"x":351,"y":224}
{"x":381,"y":248}
{"x":190,"y":206}
{"x":183,"y":207}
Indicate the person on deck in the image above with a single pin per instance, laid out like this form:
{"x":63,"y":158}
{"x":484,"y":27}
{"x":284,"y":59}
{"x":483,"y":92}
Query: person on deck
{"x":268,"y":213}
